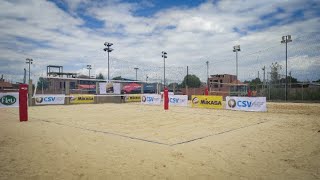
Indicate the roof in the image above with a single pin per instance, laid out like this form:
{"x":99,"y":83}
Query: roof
{"x":5,"y":84}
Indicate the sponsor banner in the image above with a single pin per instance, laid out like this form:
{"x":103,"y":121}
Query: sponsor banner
{"x":151,"y":99}
{"x":49,"y":99}
{"x":116,"y":88}
{"x":9,"y":100}
{"x":105,"y":88}
{"x":178,"y":100}
{"x":246,"y":103}
{"x":133,"y":98}
{"x":81,"y":98}
{"x":206,"y":101}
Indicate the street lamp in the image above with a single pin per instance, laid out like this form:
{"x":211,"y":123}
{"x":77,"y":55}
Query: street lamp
{"x":286,"y":39}
{"x":164,"y":55}
{"x":29,"y":61}
{"x":108,"y":49}
{"x":136,"y":72}
{"x":89,"y":68}
{"x":236,"y":49}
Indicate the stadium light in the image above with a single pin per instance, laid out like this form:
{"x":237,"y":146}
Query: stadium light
{"x":236,"y":49}
{"x":136,"y":73}
{"x":29,"y":61}
{"x":164,"y":55}
{"x":108,"y":49}
{"x":286,"y":40}
{"x":89,"y":68}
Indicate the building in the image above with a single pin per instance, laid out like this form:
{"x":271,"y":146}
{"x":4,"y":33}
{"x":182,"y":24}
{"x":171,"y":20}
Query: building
{"x":226,"y":85}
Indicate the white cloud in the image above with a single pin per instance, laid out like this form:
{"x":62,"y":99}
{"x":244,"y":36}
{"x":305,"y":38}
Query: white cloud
{"x":191,"y":36}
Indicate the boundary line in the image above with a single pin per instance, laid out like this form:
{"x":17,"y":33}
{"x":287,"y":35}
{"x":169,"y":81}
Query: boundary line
{"x":151,"y":141}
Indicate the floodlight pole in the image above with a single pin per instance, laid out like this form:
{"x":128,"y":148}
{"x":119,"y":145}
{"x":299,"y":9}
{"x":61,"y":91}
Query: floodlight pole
{"x":164,"y":55}
{"x":89,"y":68}
{"x":29,"y":61}
{"x":286,"y":40}
{"x":236,"y":49}
{"x":108,"y":49}
{"x":136,"y":73}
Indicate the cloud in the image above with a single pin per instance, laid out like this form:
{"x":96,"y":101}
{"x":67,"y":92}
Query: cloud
{"x":58,"y":33}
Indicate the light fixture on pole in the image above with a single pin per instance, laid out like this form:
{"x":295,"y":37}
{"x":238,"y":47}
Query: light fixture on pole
{"x":164,"y":55}
{"x":29,"y":61}
{"x":108,"y":49}
{"x":136,"y":73}
{"x":236,"y":49}
{"x":89,"y":68}
{"x":286,"y":40}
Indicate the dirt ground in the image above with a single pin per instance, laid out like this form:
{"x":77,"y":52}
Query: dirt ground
{"x":133,"y":141}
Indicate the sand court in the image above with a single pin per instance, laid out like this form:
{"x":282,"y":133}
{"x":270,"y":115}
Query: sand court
{"x":139,"y":141}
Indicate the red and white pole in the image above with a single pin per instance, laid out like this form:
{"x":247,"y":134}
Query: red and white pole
{"x":23,"y":102}
{"x":166,"y":99}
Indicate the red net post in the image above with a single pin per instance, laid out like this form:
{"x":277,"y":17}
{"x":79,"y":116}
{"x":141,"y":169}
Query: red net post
{"x":23,"y":102}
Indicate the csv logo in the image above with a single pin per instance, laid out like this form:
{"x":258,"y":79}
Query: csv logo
{"x":149,"y":99}
{"x":49,"y":99}
{"x":244,"y":104}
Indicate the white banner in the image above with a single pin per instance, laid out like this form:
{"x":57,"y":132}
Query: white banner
{"x":178,"y":100}
{"x":246,"y":103}
{"x":116,"y":88}
{"x":103,"y":88}
{"x":151,"y":99}
{"x":49,"y":99}
{"x":9,"y":100}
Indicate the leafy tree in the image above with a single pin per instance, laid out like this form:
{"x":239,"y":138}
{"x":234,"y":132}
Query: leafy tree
{"x":192,"y":81}
{"x":290,"y":79}
{"x":275,"y":68}
{"x":43,"y":83}
{"x":117,"y":78}
{"x":100,"y":76}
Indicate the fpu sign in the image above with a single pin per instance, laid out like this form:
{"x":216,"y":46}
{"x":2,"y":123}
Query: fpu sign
{"x":178,"y":100}
{"x":246,"y":103}
{"x":207,"y":102}
{"x":49,"y":99}
{"x":151,"y":99}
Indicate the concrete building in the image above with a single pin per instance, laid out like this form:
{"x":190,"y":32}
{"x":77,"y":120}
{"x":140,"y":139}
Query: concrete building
{"x":226,"y":85}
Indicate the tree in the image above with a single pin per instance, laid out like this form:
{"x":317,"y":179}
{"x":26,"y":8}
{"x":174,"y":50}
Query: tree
{"x":275,"y":68}
{"x":100,"y":76}
{"x":290,"y":80}
{"x":192,"y":81}
{"x":42,"y":83}
{"x":117,"y":78}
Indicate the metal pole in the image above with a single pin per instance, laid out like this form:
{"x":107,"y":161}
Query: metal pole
{"x":29,"y":72}
{"x":207,"y":74}
{"x":237,"y":66}
{"x":108,"y":64}
{"x":286,"y":84}
{"x":164,"y":72}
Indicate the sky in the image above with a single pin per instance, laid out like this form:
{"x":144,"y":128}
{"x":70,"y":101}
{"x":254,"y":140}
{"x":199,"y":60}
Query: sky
{"x":72,"y":33}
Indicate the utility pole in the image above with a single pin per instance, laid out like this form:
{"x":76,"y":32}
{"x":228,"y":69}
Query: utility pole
{"x":187,"y":81}
{"x":264,"y":76}
{"x":207,"y":74}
